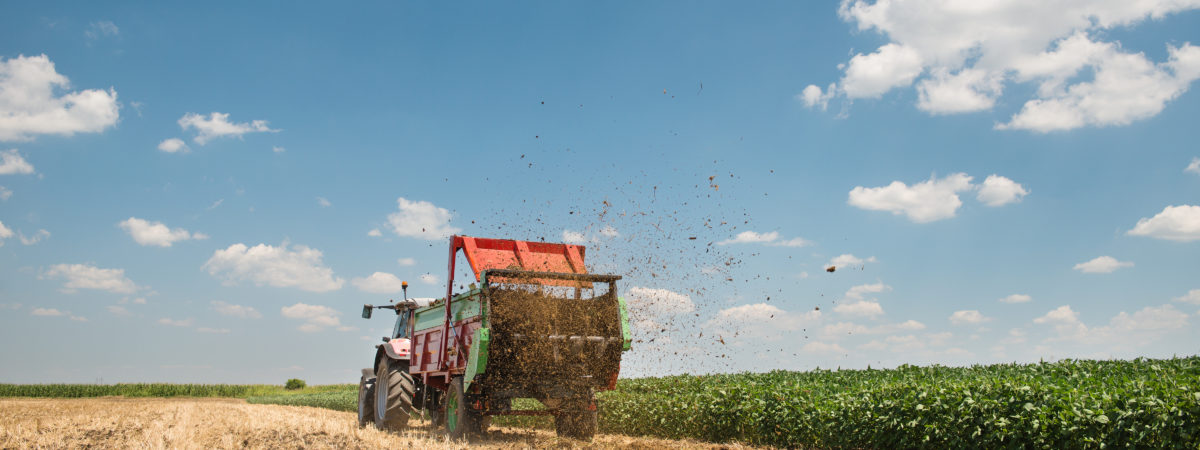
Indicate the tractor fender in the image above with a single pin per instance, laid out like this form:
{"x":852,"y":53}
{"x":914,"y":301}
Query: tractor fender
{"x":398,"y":348}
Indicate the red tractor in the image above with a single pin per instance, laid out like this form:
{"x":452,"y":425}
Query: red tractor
{"x":537,"y":325}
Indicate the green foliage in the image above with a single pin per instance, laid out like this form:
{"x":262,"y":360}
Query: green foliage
{"x":1067,"y":404}
{"x":135,"y":390}
{"x":342,"y":400}
{"x":159,"y":390}
{"x":294,"y":383}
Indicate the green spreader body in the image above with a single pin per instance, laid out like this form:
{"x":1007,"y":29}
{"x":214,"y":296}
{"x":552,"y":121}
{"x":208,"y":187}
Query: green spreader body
{"x":536,"y":325}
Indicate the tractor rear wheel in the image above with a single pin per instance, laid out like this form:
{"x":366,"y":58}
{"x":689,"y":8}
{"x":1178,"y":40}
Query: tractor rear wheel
{"x":461,"y":420}
{"x":393,"y":394}
{"x":576,"y":423}
{"x":366,"y":401}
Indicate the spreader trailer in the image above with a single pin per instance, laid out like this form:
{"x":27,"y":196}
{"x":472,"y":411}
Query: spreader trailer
{"x":537,"y":325}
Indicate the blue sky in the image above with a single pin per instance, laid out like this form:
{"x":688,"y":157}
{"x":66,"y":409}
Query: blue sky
{"x":200,"y":194}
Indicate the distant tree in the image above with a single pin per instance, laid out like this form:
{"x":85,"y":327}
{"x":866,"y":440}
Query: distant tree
{"x":294,"y":383}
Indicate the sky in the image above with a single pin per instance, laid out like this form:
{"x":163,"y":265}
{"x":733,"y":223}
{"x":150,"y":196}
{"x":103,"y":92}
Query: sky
{"x":209,"y":194}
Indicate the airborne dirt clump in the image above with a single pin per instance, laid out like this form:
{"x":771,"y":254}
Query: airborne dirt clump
{"x":231,"y":423}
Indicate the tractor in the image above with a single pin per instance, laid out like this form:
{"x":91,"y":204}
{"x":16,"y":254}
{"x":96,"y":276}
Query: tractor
{"x":534,"y":324}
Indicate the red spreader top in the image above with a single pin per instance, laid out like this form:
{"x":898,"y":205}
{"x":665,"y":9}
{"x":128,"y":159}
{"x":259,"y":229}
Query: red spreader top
{"x":486,"y":253}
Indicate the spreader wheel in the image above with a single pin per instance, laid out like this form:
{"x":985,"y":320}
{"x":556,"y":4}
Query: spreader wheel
{"x":462,"y":421}
{"x":393,"y":394}
{"x":576,"y":423}
{"x":366,"y":400}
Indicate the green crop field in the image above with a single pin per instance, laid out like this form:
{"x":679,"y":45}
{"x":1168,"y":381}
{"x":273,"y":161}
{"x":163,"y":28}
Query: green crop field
{"x":1067,"y":404}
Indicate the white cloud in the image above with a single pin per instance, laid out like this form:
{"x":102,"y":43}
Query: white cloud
{"x":48,"y":312}
{"x":428,"y":278}
{"x":892,"y":65}
{"x":1193,"y":297}
{"x":1146,"y":324}
{"x":278,"y":149}
{"x":998,"y":191}
{"x":30,"y":105}
{"x":858,"y":292}
{"x":421,"y":219}
{"x":866,"y":308}
{"x":659,"y":301}
{"x":1102,"y":264}
{"x":212,"y":330}
{"x":972,"y":317}
{"x":1016,"y":298}
{"x":102,"y":28}
{"x":748,"y":237}
{"x":770,"y":238}
{"x":301,"y":267}
{"x":609,"y":232}
{"x":586,"y":236}
{"x":968,"y":90}
{"x":848,"y":260}
{"x":1150,"y":318}
{"x":406,"y":262}
{"x":1065,"y":321}
{"x":374,"y":233}
{"x":923,"y":202}
{"x":239,"y":311}
{"x":760,"y":320}
{"x":859,"y":305}
{"x":12,"y":163}
{"x":5,"y":194}
{"x":217,"y":125}
{"x":149,"y":233}
{"x":574,"y":237}
{"x":83,"y":276}
{"x":173,"y":145}
{"x":822,"y":348}
{"x":379,"y":283}
{"x":325,"y":203}
{"x":5,"y":233}
{"x":35,"y":238}
{"x":1125,"y":88}
{"x":118,"y":310}
{"x":316,"y":317}
{"x":910,"y":343}
{"x":1194,"y":167}
{"x":176,"y":322}
{"x":840,"y":330}
{"x":813,"y":97}
{"x":971,"y":50}
{"x":1174,"y":223}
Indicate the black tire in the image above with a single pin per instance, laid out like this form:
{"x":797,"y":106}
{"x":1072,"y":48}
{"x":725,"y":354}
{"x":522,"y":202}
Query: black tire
{"x":462,"y":422}
{"x":393,"y":394}
{"x":576,"y":424}
{"x":366,"y":401}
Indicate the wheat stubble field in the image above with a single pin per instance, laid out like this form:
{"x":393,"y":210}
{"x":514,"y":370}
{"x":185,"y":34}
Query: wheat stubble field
{"x":114,"y":422}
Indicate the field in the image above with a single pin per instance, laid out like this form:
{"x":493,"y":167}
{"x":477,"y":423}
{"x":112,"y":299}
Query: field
{"x":203,"y":423}
{"x":1065,"y":404}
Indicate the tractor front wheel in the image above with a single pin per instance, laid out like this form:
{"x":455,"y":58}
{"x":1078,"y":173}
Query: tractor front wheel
{"x":461,"y":420}
{"x":393,"y":394}
{"x":366,"y":400}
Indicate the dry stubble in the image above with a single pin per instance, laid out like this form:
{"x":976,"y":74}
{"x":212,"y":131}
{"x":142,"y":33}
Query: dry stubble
{"x":113,"y":422}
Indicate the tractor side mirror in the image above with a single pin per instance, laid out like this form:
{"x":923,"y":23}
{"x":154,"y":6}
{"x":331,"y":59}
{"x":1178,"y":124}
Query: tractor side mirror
{"x":366,"y":312}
